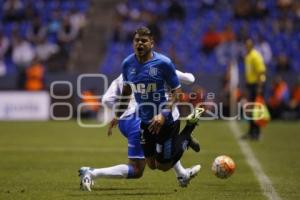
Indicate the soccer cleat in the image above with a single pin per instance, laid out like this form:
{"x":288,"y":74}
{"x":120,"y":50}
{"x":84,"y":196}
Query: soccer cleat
{"x":194,"y":144}
{"x":194,"y":117}
{"x":190,"y":174}
{"x":86,"y":180}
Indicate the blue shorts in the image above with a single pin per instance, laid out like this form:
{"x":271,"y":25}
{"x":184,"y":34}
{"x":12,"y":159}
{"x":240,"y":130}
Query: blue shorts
{"x":130,"y":128}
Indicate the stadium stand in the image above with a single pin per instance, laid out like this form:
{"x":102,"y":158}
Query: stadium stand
{"x":271,"y":23}
{"x":44,"y":29}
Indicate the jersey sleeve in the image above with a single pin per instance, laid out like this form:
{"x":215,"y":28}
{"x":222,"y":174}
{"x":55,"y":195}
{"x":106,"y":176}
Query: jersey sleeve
{"x":125,"y":71}
{"x":185,"y":78}
{"x":113,"y":91}
{"x":171,"y":76}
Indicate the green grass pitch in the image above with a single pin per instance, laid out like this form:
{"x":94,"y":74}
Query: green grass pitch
{"x":39,"y":160}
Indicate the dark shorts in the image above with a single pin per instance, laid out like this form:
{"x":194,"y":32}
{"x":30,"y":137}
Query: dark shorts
{"x":161,"y":145}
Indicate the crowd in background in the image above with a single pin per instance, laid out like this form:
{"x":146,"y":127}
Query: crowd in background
{"x":205,"y":37}
{"x":38,"y":35}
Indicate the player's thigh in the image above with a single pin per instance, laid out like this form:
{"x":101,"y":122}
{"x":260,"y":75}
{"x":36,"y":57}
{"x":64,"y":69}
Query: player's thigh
{"x":129,"y":125}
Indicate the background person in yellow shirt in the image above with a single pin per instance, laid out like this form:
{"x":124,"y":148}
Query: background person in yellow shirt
{"x":255,"y":72}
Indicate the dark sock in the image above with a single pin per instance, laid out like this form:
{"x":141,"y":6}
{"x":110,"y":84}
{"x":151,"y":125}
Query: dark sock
{"x":181,"y":142}
{"x":188,"y":129}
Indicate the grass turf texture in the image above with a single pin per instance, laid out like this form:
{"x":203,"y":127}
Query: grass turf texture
{"x":39,"y":160}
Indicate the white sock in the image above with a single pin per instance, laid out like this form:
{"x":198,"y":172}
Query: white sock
{"x":179,"y":169}
{"x":117,"y":171}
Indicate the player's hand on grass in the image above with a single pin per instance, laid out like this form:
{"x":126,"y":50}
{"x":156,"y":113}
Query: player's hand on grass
{"x":156,"y":123}
{"x":112,"y":124}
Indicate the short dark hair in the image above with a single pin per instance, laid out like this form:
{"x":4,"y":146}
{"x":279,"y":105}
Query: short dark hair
{"x":144,"y":31}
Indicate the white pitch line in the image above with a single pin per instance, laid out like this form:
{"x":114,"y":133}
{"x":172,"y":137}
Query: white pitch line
{"x":264,"y":181}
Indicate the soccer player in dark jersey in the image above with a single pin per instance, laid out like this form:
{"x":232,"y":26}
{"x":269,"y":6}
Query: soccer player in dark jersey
{"x":147,"y":74}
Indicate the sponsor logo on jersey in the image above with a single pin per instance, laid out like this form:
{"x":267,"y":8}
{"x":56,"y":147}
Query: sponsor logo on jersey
{"x":144,"y":88}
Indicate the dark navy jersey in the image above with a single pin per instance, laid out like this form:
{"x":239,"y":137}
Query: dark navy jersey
{"x":149,"y":82}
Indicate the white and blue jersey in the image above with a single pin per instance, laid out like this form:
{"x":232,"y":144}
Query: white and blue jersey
{"x":149,"y":82}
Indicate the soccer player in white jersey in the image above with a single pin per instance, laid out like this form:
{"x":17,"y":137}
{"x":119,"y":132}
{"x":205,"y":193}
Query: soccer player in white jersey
{"x":129,"y":126}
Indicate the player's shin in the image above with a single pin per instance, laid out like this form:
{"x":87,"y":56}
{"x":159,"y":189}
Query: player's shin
{"x":180,"y":144}
{"x":118,"y":172}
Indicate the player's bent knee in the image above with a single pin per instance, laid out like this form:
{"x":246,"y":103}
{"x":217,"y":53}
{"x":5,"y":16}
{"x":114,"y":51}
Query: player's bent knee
{"x":151,"y":166}
{"x":151,"y":163}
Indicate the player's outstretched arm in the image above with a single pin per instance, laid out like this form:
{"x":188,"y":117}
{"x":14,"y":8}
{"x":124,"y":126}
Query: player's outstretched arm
{"x":185,"y":78}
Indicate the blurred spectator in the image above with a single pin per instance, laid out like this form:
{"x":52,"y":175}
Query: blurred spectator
{"x":2,"y":68}
{"x":284,"y":5}
{"x":228,"y":50}
{"x":265,"y":49}
{"x":22,"y":52}
{"x":227,"y":35}
{"x":260,"y":9}
{"x":44,"y":49}
{"x":66,"y":36}
{"x":34,"y":76}
{"x":78,"y":21}
{"x":230,"y":93}
{"x":210,"y":40}
{"x":242,"y":9}
{"x":282,"y":63}
{"x":54,"y":22}
{"x":279,"y":97}
{"x":22,"y":56}
{"x":294,"y":103}
{"x":4,"y":45}
{"x":122,"y":10}
{"x":296,"y":10}
{"x":176,"y":11}
{"x":36,"y":31}
{"x":13,"y":10}
{"x":91,"y":104}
